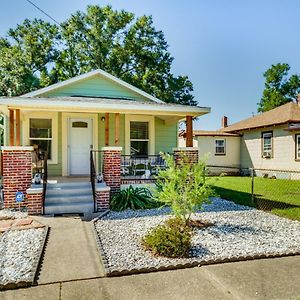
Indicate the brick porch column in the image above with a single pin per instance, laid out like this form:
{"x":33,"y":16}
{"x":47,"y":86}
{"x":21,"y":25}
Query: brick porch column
{"x":17,"y":174}
{"x":186,"y":154}
{"x":112,"y":167}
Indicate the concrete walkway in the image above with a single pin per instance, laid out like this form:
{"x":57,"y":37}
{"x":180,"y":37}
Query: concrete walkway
{"x":72,"y":269}
{"x":71,"y":251}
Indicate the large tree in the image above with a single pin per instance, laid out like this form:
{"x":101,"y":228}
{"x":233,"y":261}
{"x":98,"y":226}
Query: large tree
{"x":37,"y":54}
{"x":25,"y":55}
{"x":280,"y":88}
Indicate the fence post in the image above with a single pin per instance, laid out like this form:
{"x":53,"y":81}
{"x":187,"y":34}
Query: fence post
{"x":252,"y":186}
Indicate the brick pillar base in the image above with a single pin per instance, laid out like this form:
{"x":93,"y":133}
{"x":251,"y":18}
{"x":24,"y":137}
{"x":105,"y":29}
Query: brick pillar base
{"x":35,"y":201}
{"x":102,"y":194}
{"x":17,"y":175}
{"x":186,"y":155}
{"x":112,"y":167}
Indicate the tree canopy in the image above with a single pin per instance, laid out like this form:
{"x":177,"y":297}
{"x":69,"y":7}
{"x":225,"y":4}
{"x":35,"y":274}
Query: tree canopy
{"x":280,"y":88}
{"x":36,"y":53}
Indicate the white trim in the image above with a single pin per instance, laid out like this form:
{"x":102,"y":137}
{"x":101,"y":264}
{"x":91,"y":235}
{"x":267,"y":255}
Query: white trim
{"x":69,"y":104}
{"x":111,"y":148}
{"x":65,"y":126}
{"x":32,"y":191}
{"x":101,"y":187}
{"x":139,"y":118}
{"x":88,"y":75}
{"x":17,"y":148}
{"x":42,"y":115}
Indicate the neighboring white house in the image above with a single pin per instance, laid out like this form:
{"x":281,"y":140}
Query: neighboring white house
{"x":270,"y":140}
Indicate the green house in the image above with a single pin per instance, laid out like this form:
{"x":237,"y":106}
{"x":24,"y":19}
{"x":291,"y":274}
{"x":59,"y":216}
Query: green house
{"x":90,"y":111}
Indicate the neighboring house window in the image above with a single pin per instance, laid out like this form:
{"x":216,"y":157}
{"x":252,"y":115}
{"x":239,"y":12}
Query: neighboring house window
{"x":297,"y":146}
{"x":220,"y":147}
{"x":267,"y":144}
{"x":40,"y":134}
{"x":139,"y":138}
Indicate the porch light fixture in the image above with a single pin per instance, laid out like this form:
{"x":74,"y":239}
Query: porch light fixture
{"x":103,"y":119}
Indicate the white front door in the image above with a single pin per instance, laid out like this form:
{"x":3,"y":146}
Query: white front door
{"x":79,"y":146}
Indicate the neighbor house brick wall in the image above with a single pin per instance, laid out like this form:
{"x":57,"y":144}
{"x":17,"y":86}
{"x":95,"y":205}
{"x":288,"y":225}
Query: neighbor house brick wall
{"x":112,"y":167}
{"x":186,"y":155}
{"x":17,"y":174}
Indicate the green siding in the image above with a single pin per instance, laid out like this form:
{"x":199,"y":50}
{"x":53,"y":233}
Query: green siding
{"x":96,"y":86}
{"x":165,"y":136}
{"x":56,"y":169}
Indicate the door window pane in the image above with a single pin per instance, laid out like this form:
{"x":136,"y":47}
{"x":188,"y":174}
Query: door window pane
{"x":79,"y":124}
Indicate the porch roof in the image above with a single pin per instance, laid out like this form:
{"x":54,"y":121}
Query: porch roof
{"x":105,"y":105}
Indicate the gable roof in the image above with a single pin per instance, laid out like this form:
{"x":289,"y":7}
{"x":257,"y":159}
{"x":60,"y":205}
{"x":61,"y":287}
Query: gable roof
{"x":84,"y":104}
{"x":283,"y":114}
{"x":90,"y":74}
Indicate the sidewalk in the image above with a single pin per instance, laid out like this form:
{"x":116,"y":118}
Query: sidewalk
{"x":71,"y":251}
{"x":71,"y":269}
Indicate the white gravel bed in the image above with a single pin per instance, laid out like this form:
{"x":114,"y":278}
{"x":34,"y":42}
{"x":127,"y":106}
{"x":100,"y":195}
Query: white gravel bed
{"x":19,"y":250}
{"x":6,"y":214}
{"x":238,"y":232}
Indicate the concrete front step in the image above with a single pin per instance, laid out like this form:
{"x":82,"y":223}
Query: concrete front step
{"x":71,"y":208}
{"x":70,"y":197}
{"x":66,"y":199}
{"x":68,"y":192}
{"x":64,"y":185}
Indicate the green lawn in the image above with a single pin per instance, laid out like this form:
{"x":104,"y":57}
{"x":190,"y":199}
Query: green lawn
{"x":238,"y":189}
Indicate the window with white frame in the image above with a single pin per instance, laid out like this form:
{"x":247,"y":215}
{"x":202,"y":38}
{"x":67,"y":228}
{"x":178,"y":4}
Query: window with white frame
{"x":267,"y":144}
{"x":220,"y":147}
{"x":297,"y":146}
{"x":40,"y":134}
{"x":139,"y":138}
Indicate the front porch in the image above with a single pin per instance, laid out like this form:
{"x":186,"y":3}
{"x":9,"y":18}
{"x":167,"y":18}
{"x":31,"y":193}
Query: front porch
{"x":68,"y":137}
{"x":130,"y":137}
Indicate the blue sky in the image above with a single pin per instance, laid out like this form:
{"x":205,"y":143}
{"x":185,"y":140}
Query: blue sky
{"x":224,"y":46}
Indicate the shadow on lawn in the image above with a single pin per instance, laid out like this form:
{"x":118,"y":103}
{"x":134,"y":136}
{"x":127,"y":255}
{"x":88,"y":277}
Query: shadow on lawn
{"x":258,"y":201}
{"x":237,"y":197}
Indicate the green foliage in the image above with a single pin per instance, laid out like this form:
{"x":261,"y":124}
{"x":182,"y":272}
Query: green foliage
{"x":25,"y":55}
{"x":279,"y":88}
{"x":183,"y":187}
{"x":37,"y":53}
{"x":132,"y":198}
{"x":172,"y":239}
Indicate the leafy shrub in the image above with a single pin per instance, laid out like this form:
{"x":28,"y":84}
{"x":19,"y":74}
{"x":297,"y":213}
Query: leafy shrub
{"x":133,"y":198}
{"x":172,"y":239}
{"x":183,"y":187}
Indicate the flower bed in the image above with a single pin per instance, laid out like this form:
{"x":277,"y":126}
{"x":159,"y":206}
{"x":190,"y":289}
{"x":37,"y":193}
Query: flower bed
{"x":238,"y":233}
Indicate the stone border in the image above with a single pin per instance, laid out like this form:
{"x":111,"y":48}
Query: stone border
{"x":109,"y":272}
{"x":100,"y":245}
{"x":34,"y":270}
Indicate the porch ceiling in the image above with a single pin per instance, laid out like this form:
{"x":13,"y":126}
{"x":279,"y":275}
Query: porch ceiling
{"x":167,"y":112}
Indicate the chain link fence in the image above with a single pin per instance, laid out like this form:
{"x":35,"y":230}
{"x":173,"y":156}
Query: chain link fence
{"x":264,"y":189}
